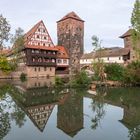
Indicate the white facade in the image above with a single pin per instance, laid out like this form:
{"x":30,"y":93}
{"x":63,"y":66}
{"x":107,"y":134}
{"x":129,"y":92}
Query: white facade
{"x":62,"y":62}
{"x":114,"y":59}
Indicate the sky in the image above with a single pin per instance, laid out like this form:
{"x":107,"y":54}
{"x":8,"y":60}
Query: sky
{"x":107,"y":19}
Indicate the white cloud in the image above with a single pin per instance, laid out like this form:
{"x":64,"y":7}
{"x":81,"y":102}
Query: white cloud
{"x":107,"y":19}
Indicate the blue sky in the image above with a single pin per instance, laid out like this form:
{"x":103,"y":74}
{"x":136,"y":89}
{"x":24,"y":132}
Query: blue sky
{"x":108,"y":19}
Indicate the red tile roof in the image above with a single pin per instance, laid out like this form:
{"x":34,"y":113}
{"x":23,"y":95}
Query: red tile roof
{"x":62,"y":53}
{"x":41,"y":47}
{"x":128,"y":33}
{"x":72,"y":15}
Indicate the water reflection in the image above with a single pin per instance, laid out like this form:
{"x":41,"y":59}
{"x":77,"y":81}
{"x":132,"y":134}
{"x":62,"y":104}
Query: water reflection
{"x":36,"y":100}
{"x":70,"y":114}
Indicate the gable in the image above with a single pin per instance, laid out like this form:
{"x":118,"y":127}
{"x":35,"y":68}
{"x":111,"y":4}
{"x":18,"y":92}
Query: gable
{"x":38,"y":36}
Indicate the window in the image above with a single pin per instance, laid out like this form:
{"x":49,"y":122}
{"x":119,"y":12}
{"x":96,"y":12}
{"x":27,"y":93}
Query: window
{"x":65,"y":61}
{"x":39,"y":69}
{"x":38,"y":30}
{"x":33,"y":59}
{"x":50,"y":69}
{"x":43,"y":44}
{"x":35,"y":68}
{"x":44,"y":30}
{"x":108,"y":58}
{"x":37,"y":36}
{"x":119,"y":58}
{"x":59,"y":61}
{"x":45,"y":37}
{"x":53,"y":60}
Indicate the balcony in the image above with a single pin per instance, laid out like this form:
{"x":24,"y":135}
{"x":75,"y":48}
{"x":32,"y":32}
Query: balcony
{"x":43,"y":55}
{"x":47,"y":64}
{"x":62,"y":72}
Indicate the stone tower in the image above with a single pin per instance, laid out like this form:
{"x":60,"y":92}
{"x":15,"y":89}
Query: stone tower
{"x":70,"y":33}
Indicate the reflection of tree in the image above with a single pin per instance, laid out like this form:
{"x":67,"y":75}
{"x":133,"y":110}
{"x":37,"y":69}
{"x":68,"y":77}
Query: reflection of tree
{"x":4,"y":123}
{"x":134,"y":133}
{"x":18,"y":115}
{"x":8,"y":110}
{"x":98,"y":109}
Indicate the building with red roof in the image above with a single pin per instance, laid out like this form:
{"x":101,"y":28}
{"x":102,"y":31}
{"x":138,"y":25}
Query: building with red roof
{"x":62,"y":61}
{"x":37,"y":57}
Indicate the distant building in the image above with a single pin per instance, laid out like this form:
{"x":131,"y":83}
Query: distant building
{"x":108,"y":55}
{"x":128,"y":43}
{"x":70,"y":32}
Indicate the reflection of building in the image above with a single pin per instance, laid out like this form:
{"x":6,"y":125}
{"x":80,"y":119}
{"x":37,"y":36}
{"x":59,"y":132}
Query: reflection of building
{"x":70,"y":32}
{"x":131,"y":108}
{"x":39,"y":102}
{"x":70,"y":115}
{"x":40,"y":114}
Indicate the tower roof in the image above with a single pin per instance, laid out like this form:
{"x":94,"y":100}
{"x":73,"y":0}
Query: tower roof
{"x":128,"y":33}
{"x":72,"y":15}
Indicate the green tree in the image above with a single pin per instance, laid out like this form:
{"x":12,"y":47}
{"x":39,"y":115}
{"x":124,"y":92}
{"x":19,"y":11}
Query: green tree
{"x":18,"y":39}
{"x":114,"y":72}
{"x":98,"y":65}
{"x":4,"y":31}
{"x":135,"y":21}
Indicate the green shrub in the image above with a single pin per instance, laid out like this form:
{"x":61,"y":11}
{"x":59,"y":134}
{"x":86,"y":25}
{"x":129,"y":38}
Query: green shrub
{"x":81,"y":79}
{"x":132,"y":73}
{"x":23,"y":77}
{"x":114,"y":72}
{"x":59,"y":81}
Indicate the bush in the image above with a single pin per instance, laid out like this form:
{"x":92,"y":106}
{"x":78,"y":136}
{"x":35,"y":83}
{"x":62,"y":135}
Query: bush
{"x":7,"y":66}
{"x":132,"y":73}
{"x":59,"y":81}
{"x":23,"y":77}
{"x":114,"y":72}
{"x":81,"y":79}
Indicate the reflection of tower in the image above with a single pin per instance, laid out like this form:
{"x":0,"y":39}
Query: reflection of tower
{"x":70,"y":115}
{"x":70,"y":32}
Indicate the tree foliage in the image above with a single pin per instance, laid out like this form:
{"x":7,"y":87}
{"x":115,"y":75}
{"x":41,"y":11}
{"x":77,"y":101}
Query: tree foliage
{"x":135,"y":21}
{"x":4,"y":31}
{"x":5,"y":65}
{"x":18,"y":39}
{"x":81,"y":79}
{"x":114,"y":72}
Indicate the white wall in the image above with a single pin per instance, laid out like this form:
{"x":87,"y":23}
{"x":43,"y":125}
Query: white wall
{"x":117,"y":59}
{"x":62,"y":62}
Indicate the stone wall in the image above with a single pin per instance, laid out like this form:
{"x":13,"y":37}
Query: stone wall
{"x":70,"y":34}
